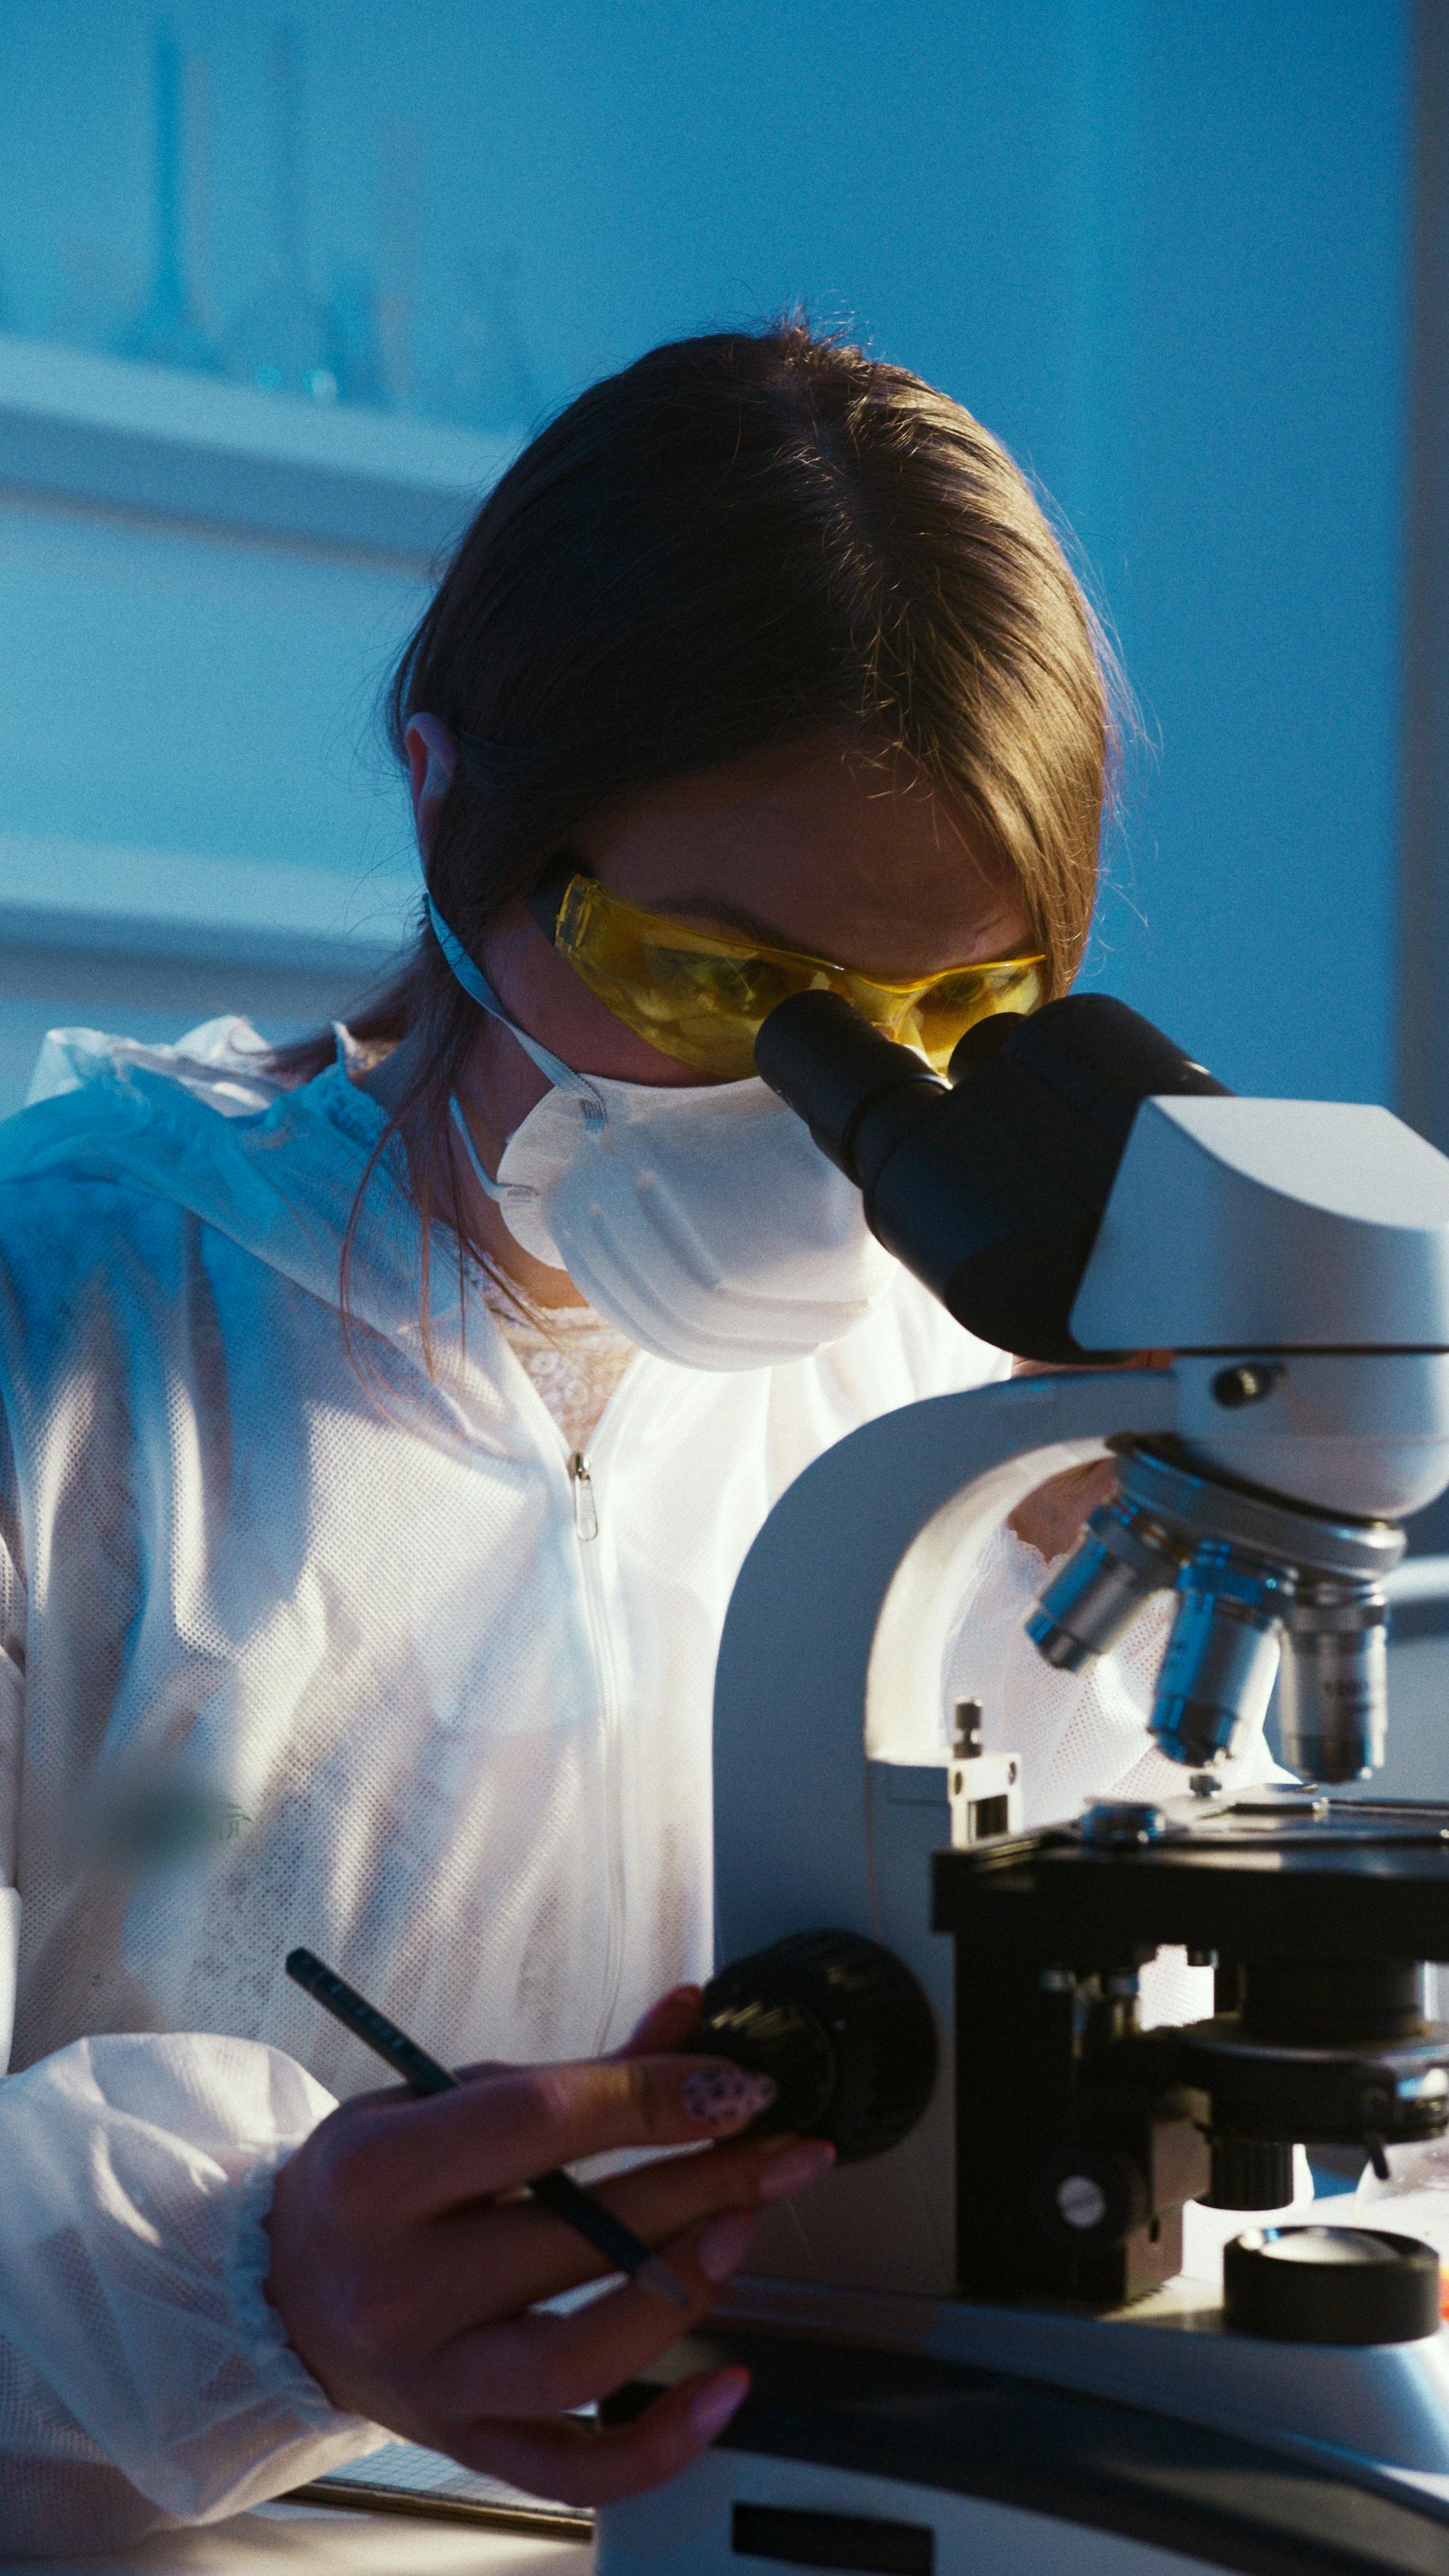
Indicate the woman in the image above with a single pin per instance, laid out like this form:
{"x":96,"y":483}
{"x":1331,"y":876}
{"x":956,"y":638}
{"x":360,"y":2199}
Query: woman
{"x":388,"y":1421}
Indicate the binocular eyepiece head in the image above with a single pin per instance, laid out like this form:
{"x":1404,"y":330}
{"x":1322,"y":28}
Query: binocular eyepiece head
{"x":989,"y":1186}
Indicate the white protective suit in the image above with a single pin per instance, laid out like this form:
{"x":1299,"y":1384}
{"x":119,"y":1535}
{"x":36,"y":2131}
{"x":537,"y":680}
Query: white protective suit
{"x":299,"y":1643}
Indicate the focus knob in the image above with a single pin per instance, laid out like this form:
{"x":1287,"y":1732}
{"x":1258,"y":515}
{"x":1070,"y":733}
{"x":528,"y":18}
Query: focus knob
{"x":843,"y":2030}
{"x":1249,"y":2173}
{"x":1330,"y":2285}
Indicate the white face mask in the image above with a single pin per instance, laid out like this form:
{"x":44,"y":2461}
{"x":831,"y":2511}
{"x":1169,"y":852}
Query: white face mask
{"x":702,"y":1222}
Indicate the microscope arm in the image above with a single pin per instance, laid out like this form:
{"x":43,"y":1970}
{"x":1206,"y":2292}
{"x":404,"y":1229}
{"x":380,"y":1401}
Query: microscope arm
{"x":838,"y":1628}
{"x":839,"y":1622}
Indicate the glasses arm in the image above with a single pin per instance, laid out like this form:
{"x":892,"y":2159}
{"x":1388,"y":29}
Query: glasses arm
{"x":546,"y":899}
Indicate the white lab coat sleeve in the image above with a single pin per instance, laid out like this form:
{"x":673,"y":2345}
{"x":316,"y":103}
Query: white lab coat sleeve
{"x":145,"y":2378}
{"x":144,"y":2375}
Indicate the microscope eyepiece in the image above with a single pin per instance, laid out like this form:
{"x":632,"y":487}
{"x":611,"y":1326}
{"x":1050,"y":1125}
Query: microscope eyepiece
{"x":990,"y":1187}
{"x":838,"y":1073}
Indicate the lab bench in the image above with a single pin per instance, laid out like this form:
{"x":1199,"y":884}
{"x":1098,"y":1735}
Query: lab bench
{"x":289,"y":2539}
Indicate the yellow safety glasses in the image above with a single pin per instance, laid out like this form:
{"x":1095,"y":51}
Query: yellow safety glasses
{"x":700,"y":995}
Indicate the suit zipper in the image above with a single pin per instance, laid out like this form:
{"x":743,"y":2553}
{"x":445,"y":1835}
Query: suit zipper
{"x":586,"y":1526}
{"x":586,"y":1501}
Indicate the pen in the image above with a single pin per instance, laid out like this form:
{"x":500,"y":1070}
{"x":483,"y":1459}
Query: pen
{"x":608,"y":2235}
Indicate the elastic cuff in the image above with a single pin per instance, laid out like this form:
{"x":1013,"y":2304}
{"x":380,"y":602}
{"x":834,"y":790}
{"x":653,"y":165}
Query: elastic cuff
{"x":281,"y":2373}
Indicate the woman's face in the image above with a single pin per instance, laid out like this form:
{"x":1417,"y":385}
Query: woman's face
{"x":851,"y":859}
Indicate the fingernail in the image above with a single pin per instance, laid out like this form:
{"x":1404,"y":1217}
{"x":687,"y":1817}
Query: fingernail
{"x":723,"y":2246}
{"x":797,"y":2167}
{"x":714,"y":2405}
{"x":718,"y":2096}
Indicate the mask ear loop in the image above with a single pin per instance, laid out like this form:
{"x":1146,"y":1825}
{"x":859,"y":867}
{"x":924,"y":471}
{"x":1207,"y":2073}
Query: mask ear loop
{"x":475,"y":984}
{"x":498,"y":1191}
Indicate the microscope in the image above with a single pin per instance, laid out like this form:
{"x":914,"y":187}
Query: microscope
{"x":974,"y":2345}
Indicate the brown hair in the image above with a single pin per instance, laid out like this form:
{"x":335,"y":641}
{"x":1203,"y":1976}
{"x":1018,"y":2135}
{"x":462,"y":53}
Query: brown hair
{"x":740,"y":540}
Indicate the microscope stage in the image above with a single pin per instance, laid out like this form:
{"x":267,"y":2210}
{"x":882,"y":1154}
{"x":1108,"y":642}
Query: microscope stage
{"x":1340,"y":1880}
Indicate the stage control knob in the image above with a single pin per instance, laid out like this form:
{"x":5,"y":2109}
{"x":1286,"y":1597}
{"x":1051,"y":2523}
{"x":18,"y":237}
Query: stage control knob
{"x":843,"y":2028}
{"x":1330,"y":2285}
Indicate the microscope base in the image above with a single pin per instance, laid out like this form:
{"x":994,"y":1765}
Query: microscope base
{"x":1387,"y":2403}
{"x":851,"y":2456}
{"x":737,"y":2511}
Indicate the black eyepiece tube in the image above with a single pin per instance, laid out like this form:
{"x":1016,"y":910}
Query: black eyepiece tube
{"x":835,"y":1070}
{"x":990,"y":1189}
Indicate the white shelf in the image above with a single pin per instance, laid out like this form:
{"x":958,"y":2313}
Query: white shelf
{"x":153,"y":441}
{"x":166,"y":904}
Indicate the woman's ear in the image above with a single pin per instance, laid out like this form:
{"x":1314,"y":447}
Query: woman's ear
{"x":432,"y":758}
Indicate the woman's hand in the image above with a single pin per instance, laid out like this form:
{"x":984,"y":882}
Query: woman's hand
{"x":404,"y":2266}
{"x":1050,"y":1517}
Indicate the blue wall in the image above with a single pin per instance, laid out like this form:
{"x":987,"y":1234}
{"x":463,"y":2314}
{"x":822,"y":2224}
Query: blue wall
{"x":1245,"y":509}
{"x":1158,"y":244}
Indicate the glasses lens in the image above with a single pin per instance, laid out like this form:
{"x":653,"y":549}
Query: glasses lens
{"x":701,"y":997}
{"x":942,"y":1014}
{"x":697,"y":997}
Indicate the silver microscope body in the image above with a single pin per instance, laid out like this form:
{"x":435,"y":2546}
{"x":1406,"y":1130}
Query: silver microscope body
{"x":975,"y":2333}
